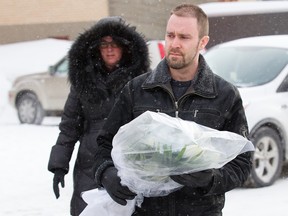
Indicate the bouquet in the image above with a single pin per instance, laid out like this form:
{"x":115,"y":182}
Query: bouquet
{"x":153,"y":146}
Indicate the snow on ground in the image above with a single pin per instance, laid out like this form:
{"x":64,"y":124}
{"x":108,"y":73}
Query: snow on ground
{"x":26,"y":184}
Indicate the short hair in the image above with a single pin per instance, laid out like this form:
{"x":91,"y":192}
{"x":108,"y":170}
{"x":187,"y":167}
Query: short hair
{"x":190,"y":10}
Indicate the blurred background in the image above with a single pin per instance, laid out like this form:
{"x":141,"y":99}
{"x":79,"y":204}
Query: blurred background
{"x":30,"y":19}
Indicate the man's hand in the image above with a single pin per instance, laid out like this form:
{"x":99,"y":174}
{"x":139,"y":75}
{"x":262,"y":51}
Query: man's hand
{"x":195,"y":180}
{"x":58,"y":178}
{"x":111,"y":182}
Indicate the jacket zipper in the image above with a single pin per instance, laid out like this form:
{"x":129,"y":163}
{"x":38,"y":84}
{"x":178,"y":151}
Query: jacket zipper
{"x":172,"y":97}
{"x":177,"y":110}
{"x":177,"y":103}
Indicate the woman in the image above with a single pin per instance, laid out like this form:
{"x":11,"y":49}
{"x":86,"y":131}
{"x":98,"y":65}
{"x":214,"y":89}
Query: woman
{"x":101,"y":61}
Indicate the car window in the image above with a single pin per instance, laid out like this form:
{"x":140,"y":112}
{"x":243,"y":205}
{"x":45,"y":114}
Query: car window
{"x":62,"y":68}
{"x":284,"y":85}
{"x":247,"y":66}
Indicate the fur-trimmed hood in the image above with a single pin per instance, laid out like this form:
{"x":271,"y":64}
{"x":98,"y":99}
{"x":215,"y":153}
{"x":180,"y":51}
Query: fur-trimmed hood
{"x":86,"y":68}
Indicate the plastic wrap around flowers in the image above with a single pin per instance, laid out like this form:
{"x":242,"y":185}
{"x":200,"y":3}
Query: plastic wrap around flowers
{"x":153,"y":146}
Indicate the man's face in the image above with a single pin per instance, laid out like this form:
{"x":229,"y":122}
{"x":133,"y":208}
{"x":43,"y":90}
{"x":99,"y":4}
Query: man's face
{"x":181,"y":41}
{"x":110,"y":51}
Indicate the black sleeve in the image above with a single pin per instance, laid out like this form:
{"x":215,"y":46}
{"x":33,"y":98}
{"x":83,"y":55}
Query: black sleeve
{"x":120,"y":114}
{"x":70,"y":127}
{"x":236,"y":172}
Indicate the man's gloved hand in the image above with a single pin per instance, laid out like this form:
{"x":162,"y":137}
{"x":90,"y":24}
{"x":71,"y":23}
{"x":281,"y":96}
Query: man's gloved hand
{"x":195,"y":180}
{"x":111,"y":182}
{"x":58,"y":178}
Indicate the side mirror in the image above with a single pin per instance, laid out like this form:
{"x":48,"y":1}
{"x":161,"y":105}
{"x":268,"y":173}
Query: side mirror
{"x":51,"y":69}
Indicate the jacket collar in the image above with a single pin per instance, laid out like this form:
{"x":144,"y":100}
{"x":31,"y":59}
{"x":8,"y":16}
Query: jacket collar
{"x":204,"y":81}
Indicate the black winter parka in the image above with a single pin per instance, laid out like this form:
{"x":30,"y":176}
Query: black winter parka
{"x":92,"y":95}
{"x":210,"y":101}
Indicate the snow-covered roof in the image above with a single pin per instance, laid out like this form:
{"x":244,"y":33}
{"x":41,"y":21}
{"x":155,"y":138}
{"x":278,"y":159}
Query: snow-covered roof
{"x":214,"y":9}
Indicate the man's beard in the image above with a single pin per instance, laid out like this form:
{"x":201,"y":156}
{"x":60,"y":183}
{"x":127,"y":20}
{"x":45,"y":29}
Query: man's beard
{"x":176,"y":63}
{"x":180,"y":62}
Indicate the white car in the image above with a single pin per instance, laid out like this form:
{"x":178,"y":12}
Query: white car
{"x":258,"y":66}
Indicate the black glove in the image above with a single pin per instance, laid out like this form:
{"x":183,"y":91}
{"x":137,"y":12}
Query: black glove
{"x":111,"y":182}
{"x":58,"y":178}
{"x":195,"y":180}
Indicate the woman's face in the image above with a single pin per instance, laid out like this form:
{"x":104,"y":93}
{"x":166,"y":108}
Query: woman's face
{"x":111,"y":52}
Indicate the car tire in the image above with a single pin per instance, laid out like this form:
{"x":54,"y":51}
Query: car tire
{"x":29,"y":109}
{"x":267,"y":158}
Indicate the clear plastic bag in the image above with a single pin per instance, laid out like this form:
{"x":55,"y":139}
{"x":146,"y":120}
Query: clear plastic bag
{"x":153,"y":146}
{"x":100,"y":203}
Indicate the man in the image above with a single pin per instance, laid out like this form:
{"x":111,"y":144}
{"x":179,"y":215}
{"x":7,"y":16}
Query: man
{"x":182,"y":86}
{"x":101,"y":61}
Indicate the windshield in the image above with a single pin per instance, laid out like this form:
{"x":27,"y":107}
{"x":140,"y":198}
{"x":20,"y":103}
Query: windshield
{"x":62,"y":67}
{"x":247,"y":66}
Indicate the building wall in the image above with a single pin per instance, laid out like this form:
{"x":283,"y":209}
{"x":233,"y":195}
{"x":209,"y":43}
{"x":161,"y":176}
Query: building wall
{"x":17,"y":33}
{"x":149,"y":16}
{"x":50,"y":11}
{"x":37,"y":19}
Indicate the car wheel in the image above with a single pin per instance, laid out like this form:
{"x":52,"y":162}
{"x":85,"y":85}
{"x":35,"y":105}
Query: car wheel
{"x":267,"y":159}
{"x":29,"y":109}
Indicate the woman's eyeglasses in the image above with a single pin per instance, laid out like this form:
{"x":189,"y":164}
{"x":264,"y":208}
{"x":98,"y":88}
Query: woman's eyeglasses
{"x":105,"y":44}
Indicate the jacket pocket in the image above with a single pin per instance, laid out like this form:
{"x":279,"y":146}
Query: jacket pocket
{"x":208,"y":117}
{"x":140,"y":110}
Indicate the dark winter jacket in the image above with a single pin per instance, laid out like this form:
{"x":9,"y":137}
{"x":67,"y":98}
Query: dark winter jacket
{"x":210,"y":101}
{"x":93,"y":91}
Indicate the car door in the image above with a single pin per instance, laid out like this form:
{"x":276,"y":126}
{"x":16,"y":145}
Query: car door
{"x":282,"y":94}
{"x":57,"y":86}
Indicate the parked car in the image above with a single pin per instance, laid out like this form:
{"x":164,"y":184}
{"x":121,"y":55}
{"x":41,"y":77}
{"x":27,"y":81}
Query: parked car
{"x":42,"y":94}
{"x":36,"y":96}
{"x":258,"y":66}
